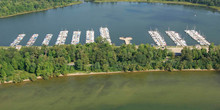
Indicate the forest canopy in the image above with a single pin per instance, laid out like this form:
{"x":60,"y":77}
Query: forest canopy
{"x":11,"y":7}
{"x":50,"y":61}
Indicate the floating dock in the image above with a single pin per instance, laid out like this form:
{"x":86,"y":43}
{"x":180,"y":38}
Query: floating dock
{"x":90,"y":36}
{"x":176,"y":38}
{"x":104,"y":33}
{"x":47,"y":39}
{"x":157,"y":38}
{"x":32,"y":40}
{"x":196,"y":36}
{"x":76,"y":37}
{"x":126,"y":39}
{"x":62,"y":38}
{"x":17,"y":40}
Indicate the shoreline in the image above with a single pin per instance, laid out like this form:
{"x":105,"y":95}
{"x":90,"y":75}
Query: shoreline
{"x":27,"y":12}
{"x":109,"y":73}
{"x":164,"y":2}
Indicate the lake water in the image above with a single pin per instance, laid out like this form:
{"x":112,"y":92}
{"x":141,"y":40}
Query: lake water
{"x":122,"y":19}
{"x":132,"y":91}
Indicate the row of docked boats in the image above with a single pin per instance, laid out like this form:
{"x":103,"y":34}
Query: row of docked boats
{"x":47,"y":39}
{"x":104,"y":33}
{"x":32,"y":40}
{"x":177,"y":38}
{"x":62,"y":37}
{"x":17,"y":40}
{"x":76,"y":37}
{"x":158,"y":39}
{"x":197,"y":36}
{"x":90,"y":37}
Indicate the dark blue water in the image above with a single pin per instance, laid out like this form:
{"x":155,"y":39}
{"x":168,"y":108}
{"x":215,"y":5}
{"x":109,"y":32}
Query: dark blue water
{"x":122,"y":19}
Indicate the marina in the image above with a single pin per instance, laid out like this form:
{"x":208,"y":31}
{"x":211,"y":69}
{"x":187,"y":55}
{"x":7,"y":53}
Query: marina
{"x":76,"y":37}
{"x":104,"y":33}
{"x":17,"y":40}
{"x":47,"y":39}
{"x":197,"y":36}
{"x":157,"y":38}
{"x":90,"y":36}
{"x":62,"y":37}
{"x":32,"y":40}
{"x":137,"y":68}
{"x":13,"y":26}
{"x":176,"y":38}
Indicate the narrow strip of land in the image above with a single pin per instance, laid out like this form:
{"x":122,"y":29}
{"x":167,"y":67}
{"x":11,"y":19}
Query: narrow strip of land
{"x":162,"y":1}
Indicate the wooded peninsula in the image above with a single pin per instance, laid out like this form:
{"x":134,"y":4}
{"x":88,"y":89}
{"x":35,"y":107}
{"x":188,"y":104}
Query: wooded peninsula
{"x":51,"y":61}
{"x":18,"y":7}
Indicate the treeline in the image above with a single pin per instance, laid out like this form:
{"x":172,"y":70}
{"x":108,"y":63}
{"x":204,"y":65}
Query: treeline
{"x":11,"y":7}
{"x":44,"y":61}
{"x":205,"y":2}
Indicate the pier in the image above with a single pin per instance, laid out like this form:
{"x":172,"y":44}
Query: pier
{"x":62,"y":38}
{"x":104,"y":33}
{"x":17,"y":40}
{"x":126,"y":39}
{"x":176,"y":38}
{"x":76,"y":37}
{"x":90,"y":36}
{"x":157,"y":38}
{"x":196,"y":36}
{"x":32,"y":40}
{"x":47,"y":39}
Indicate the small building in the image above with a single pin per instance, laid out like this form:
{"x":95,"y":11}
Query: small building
{"x":71,"y":64}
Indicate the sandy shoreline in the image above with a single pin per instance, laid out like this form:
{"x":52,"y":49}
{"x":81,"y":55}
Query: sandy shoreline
{"x":117,"y":72}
